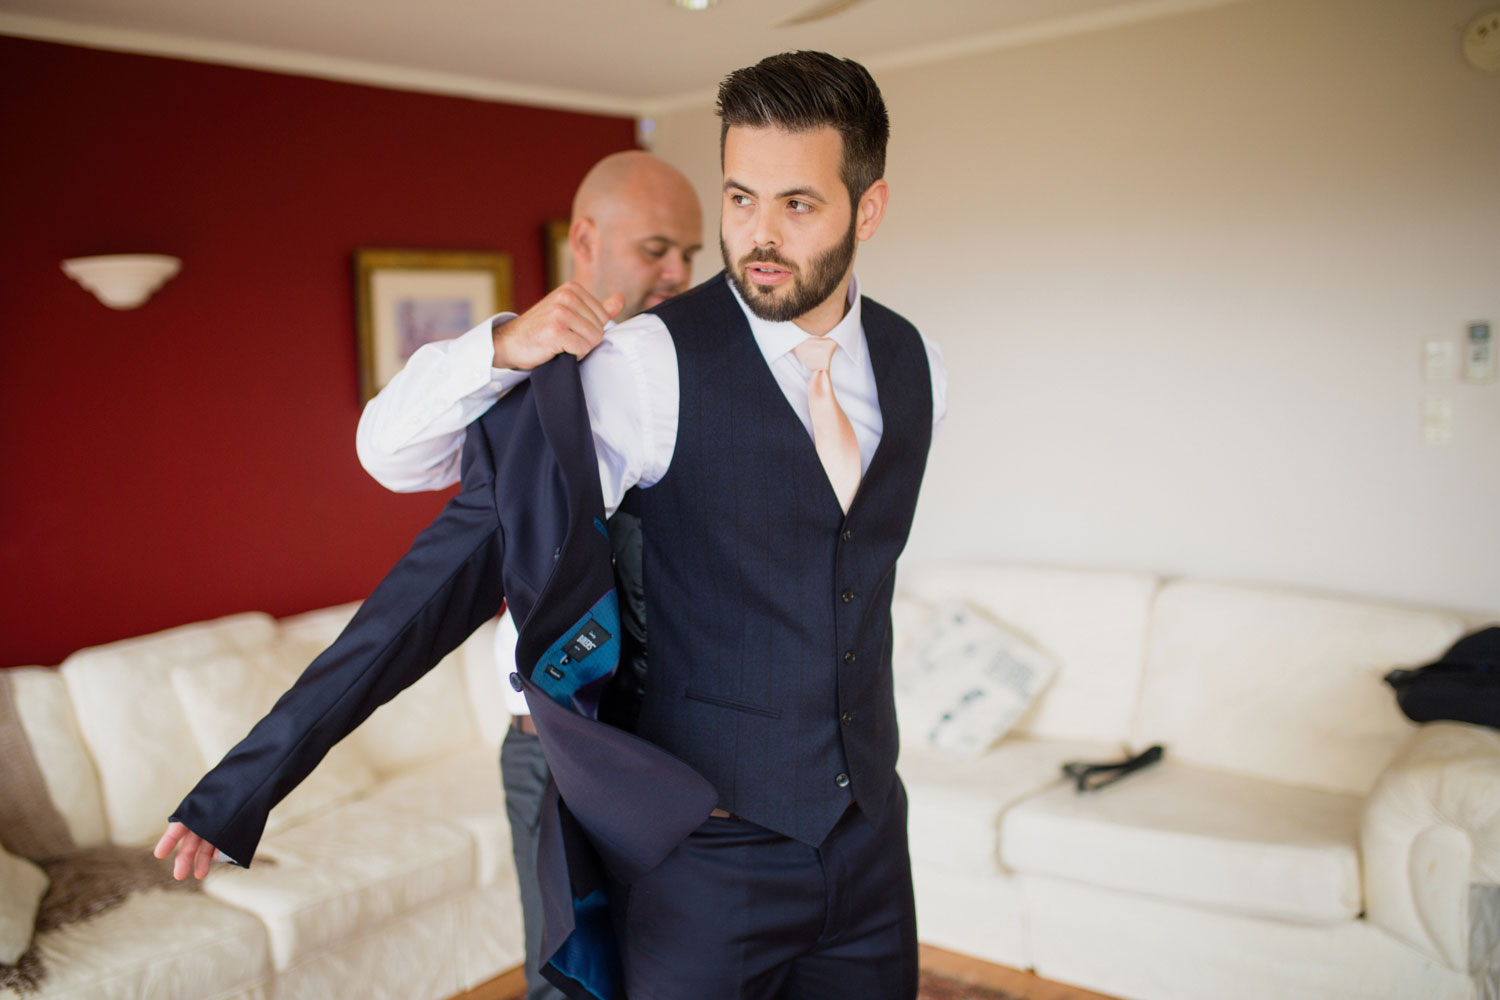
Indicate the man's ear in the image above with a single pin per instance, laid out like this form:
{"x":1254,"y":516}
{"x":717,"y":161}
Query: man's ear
{"x":583,"y":240}
{"x":871,"y":209}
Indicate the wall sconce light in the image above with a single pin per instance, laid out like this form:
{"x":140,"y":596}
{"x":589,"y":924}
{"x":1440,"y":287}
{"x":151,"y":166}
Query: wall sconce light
{"x":122,"y":280}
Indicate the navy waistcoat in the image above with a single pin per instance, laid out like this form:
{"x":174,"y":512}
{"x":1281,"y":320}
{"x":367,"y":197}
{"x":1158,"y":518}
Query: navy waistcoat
{"x":769,"y":608}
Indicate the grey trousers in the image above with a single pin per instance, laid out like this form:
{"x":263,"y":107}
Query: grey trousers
{"x":523,"y":774}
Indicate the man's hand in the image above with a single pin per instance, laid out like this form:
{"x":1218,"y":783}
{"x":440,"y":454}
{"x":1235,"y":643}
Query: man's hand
{"x":568,"y":321}
{"x":194,"y":854}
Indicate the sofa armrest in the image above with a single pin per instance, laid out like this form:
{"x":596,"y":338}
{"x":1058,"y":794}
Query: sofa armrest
{"x":1431,"y":830}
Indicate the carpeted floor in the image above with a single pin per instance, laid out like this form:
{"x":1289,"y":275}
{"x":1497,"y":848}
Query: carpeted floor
{"x":935,"y":987}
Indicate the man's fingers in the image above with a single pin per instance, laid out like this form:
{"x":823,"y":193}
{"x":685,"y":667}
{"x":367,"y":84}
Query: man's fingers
{"x":613,"y":305}
{"x":206,"y":852}
{"x":569,"y":320}
{"x":169,"y":839}
{"x":577,"y":343}
{"x":194,"y":854}
{"x":581,"y":318}
{"x":573,"y":297}
{"x":601,"y":311}
{"x":182,"y":865}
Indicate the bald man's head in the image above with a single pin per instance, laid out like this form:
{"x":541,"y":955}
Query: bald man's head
{"x":636,"y":225}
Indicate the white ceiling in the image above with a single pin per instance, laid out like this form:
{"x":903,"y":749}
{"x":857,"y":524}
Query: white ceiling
{"x":619,"y":56}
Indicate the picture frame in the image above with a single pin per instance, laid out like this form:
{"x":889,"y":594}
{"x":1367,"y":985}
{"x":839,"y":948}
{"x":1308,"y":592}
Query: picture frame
{"x":407,"y":298}
{"x":559,"y":253}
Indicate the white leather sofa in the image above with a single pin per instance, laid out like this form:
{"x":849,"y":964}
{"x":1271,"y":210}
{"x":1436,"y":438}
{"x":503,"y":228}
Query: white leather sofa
{"x":387,"y":874}
{"x":1300,"y":838}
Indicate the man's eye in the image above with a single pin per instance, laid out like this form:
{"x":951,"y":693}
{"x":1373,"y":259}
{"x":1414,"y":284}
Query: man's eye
{"x":798,"y":206}
{"x":655,"y":253}
{"x":739,"y":199}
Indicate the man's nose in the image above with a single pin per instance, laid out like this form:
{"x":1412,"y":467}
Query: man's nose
{"x":675,"y":269}
{"x":765,"y":230}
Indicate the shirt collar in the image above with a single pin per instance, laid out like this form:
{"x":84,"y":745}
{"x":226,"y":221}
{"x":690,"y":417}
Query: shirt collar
{"x":777,"y":339}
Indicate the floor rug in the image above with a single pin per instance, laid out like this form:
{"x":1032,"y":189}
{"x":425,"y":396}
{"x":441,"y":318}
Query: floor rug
{"x":935,"y":987}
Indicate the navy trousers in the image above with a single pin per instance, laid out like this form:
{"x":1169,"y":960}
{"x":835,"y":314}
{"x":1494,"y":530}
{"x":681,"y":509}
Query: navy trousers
{"x":740,"y":912}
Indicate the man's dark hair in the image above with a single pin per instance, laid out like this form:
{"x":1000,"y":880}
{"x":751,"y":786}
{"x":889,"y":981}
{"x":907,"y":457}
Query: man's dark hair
{"x":803,"y":91}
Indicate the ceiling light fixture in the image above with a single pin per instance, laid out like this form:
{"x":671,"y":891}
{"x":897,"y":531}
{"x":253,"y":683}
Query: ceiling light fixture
{"x":694,"y":4}
{"x":1482,"y":42}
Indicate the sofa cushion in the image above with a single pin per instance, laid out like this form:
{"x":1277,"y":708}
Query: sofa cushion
{"x":25,"y":884}
{"x":161,"y":945}
{"x":135,"y":728}
{"x":969,"y":681}
{"x":956,"y":804}
{"x":428,"y":721}
{"x":1128,"y":945}
{"x":1093,"y":622}
{"x":485,"y":670}
{"x":910,"y":617}
{"x":316,"y":630}
{"x":329,"y":878}
{"x":464,"y":790}
{"x":224,"y":697}
{"x":1208,"y":839}
{"x":47,"y":720}
{"x":1279,"y":685}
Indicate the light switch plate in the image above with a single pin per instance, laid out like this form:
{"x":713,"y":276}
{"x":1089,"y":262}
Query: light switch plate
{"x":1437,"y":360}
{"x":1437,"y":420}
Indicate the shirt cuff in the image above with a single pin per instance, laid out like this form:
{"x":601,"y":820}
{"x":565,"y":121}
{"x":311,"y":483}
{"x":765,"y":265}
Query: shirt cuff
{"x":474,"y":352}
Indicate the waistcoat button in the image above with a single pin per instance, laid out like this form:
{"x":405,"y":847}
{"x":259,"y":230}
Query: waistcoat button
{"x":515,"y":681}
{"x":846,"y":718}
{"x":848,"y":534}
{"x":849,"y":656}
{"x":847,"y":595}
{"x":842,"y":780}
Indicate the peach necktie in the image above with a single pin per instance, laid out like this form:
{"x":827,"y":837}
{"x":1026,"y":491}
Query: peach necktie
{"x":833,"y":435}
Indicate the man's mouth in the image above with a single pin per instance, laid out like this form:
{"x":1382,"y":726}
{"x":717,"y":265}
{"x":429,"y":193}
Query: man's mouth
{"x":659,"y":295}
{"x":767,"y":275}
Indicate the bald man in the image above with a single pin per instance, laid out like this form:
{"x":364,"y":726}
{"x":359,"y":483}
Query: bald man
{"x":636,"y":226}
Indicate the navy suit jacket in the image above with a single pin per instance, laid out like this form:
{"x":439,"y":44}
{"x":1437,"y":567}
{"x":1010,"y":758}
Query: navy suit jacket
{"x":526,"y":528}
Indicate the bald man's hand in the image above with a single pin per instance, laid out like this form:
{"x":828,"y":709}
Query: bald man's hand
{"x":568,"y":321}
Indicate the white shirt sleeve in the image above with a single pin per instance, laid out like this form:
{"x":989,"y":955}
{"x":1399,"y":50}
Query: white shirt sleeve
{"x":630,"y":385}
{"x":411,"y":435}
{"x":939,"y":385}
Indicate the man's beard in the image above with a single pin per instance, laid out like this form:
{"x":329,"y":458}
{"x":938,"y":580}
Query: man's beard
{"x":825,"y":271}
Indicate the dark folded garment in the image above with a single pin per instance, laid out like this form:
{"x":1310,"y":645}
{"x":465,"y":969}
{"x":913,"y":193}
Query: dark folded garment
{"x":1463,"y":686}
{"x":1090,"y":777}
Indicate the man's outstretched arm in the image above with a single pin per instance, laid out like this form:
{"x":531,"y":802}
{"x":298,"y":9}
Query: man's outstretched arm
{"x":443,"y":588}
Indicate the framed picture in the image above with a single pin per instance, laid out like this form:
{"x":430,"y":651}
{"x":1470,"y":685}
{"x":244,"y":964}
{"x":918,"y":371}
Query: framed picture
{"x":559,"y":255}
{"x":407,"y":298}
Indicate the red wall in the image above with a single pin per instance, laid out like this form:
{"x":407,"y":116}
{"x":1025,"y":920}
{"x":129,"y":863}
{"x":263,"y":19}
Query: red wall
{"x":195,"y":457}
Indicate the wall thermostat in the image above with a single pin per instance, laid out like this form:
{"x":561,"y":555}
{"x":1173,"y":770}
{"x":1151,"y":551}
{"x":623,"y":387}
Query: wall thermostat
{"x":1482,"y":41}
{"x":1479,"y":354}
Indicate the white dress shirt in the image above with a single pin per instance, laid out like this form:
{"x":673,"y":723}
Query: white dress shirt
{"x":411,"y":435}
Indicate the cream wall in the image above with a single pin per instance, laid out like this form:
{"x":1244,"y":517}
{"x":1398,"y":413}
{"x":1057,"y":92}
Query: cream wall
{"x":1181,"y":272}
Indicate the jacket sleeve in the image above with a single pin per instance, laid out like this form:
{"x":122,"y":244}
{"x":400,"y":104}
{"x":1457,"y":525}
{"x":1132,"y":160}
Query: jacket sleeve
{"x":442,"y":589}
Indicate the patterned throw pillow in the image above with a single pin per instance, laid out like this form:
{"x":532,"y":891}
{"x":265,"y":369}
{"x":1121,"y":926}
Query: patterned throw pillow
{"x":25,"y":884}
{"x":966,"y":681}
